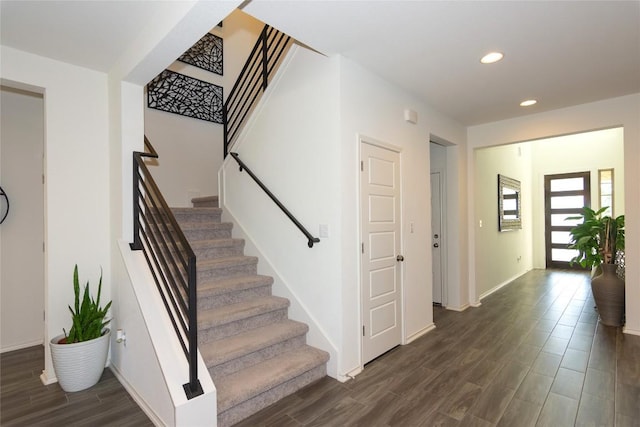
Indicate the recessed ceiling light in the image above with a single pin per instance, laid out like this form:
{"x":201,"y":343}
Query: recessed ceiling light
{"x":528,"y":103}
{"x":492,"y":57}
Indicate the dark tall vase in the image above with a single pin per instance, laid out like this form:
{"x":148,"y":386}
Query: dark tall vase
{"x":608,"y":292}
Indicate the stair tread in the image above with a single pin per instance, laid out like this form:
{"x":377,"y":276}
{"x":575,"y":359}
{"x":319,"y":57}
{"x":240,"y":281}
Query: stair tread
{"x":229,"y":348}
{"x":197,"y":225}
{"x":216,"y":243}
{"x":242,"y":310}
{"x":197,"y":210}
{"x":221,"y":286}
{"x":243,"y":385}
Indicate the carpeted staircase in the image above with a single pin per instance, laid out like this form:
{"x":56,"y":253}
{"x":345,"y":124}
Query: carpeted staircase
{"x":254,"y":353}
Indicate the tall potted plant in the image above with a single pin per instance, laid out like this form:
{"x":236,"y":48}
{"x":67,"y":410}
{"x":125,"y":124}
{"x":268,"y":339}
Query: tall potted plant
{"x":79,"y":357}
{"x":598,"y":239}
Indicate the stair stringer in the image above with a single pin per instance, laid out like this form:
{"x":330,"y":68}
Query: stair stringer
{"x":165,"y":351}
{"x":316,"y":336}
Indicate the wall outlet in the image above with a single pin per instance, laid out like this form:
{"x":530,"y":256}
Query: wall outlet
{"x":324,"y":230}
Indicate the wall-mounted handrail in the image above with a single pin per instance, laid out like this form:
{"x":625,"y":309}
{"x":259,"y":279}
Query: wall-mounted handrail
{"x":310,"y":239}
{"x":170,"y":258}
{"x":3,"y":194}
{"x":252,"y":81}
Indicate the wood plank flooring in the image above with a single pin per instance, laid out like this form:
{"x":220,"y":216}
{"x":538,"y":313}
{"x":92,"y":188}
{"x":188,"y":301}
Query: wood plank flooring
{"x":25,"y":401}
{"x":532,"y":355}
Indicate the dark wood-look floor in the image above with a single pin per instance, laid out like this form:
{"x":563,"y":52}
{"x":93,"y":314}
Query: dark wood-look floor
{"x":532,"y":355}
{"x":25,"y":401}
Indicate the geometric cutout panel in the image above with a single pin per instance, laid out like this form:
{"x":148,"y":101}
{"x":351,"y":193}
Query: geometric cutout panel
{"x":205,"y":54}
{"x":381,"y":245}
{"x":381,"y":209}
{"x":383,"y":318}
{"x":381,"y":172}
{"x":184,"y":95}
{"x":382,"y":281}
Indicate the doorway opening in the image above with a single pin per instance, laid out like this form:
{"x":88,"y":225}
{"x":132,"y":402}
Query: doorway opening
{"x":22,"y":232}
{"x":438,"y":242}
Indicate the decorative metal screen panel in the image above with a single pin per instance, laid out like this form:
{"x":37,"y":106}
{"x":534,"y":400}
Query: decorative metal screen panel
{"x":179,"y":94}
{"x":205,"y":54}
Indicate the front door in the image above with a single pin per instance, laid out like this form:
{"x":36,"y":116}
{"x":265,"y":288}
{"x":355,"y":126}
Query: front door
{"x":381,"y":263}
{"x":565,"y":195}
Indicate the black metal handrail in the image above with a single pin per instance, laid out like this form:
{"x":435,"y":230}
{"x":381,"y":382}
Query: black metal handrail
{"x":243,"y":166}
{"x":252,"y":81}
{"x":170,"y":258}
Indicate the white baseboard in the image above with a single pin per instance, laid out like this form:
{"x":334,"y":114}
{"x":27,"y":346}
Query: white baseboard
{"x":349,"y":375}
{"x":630,"y":331}
{"x":136,"y":397}
{"x":411,"y":338}
{"x":21,"y":346}
{"x":461,"y":308}
{"x":46,"y":380}
{"x":501,"y":285}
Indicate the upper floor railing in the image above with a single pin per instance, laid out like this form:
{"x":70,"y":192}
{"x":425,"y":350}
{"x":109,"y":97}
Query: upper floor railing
{"x":252,"y":81}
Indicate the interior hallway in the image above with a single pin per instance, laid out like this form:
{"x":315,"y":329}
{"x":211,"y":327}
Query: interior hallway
{"x":532,"y":354}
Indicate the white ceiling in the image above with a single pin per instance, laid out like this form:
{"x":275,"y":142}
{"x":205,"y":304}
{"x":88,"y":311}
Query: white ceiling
{"x":562,"y":53}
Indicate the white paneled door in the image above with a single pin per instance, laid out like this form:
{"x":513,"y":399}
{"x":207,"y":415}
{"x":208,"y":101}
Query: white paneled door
{"x":381,"y":257}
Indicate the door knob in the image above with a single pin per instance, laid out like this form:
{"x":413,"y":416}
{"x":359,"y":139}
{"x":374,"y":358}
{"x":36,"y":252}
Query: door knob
{"x":435,"y":245}
{"x":400,"y":258}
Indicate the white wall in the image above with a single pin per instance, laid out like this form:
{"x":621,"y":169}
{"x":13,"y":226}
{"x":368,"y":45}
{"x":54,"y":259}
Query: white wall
{"x":501,"y":256}
{"x":580,"y":152}
{"x":191,"y":150}
{"x":623,"y":111}
{"x":374,"y":108}
{"x":292,"y":144}
{"x":77,"y":169}
{"x":303,"y":143}
{"x":22,"y":233}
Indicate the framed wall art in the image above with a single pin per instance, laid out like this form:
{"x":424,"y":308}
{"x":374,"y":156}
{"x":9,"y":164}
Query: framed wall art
{"x":179,"y":94}
{"x":206,"y":53}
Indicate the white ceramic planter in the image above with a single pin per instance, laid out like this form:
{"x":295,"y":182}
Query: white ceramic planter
{"x":80,"y":365}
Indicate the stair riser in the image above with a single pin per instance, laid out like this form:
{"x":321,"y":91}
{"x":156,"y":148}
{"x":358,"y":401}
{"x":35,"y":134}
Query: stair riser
{"x":234,"y":297}
{"x":235,"y":249}
{"x":239,"y":412}
{"x":256,"y":357}
{"x":235,"y":327}
{"x":225,"y":272}
{"x":186,"y":217}
{"x":207,"y":203}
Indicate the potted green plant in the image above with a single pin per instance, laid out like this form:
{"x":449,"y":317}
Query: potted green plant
{"x":598,"y":240}
{"x":79,"y":357}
